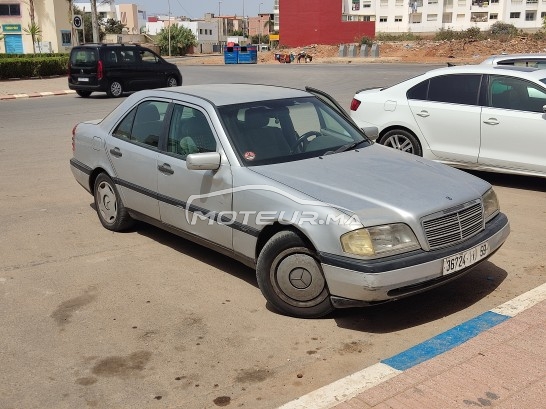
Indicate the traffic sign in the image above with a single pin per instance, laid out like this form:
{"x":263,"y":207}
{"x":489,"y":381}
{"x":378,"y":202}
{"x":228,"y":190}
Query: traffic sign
{"x":77,"y":21}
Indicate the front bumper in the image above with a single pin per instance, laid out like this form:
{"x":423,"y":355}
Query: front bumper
{"x":354,"y":282}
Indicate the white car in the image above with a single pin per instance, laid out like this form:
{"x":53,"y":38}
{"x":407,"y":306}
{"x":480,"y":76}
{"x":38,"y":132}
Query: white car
{"x":481,"y":117}
{"x":521,"y":60}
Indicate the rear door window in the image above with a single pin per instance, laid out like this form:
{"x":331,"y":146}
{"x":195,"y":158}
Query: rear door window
{"x":84,"y":57}
{"x":455,"y":89}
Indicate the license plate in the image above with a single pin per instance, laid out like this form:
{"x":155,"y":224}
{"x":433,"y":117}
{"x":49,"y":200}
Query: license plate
{"x":465,"y":259}
{"x":83,"y":79}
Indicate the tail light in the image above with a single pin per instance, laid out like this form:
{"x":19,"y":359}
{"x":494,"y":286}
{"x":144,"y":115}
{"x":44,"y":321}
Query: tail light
{"x":74,"y":138}
{"x":355,"y":103}
{"x":99,"y":70}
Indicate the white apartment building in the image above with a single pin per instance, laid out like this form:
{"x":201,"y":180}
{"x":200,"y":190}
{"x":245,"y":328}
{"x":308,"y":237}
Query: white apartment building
{"x":429,"y":16}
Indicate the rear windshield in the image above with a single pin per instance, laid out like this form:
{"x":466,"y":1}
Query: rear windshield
{"x":85,"y":57}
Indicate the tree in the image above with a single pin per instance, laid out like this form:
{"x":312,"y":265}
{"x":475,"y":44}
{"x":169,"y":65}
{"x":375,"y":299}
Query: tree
{"x":182,"y":39}
{"x":35,"y":32}
{"x":269,"y":25}
{"x":33,"y":29}
{"x":113,"y":26}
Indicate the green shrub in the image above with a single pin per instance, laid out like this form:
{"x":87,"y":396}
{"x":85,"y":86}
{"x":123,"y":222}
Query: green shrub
{"x":446,"y":34}
{"x":409,"y":36}
{"x":366,"y":41}
{"x":33,"y":55}
{"x":33,"y":67}
{"x":500,"y":29}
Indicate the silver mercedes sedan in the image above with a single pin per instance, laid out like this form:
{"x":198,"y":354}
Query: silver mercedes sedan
{"x":282,"y":180}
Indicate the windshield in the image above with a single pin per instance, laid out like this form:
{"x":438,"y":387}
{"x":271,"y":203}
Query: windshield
{"x":276,"y":131}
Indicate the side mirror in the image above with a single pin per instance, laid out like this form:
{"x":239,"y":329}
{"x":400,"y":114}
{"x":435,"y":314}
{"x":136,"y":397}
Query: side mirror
{"x":372,"y":132}
{"x":203,"y":161}
{"x":544,"y":108}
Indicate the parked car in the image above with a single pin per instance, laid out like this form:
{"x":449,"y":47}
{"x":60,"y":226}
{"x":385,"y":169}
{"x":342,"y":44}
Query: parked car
{"x":117,"y":68}
{"x":282,"y":180}
{"x":521,"y":60}
{"x":478,"y":117}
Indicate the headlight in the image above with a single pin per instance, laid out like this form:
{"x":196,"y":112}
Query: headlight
{"x":490,"y":204}
{"x":379,"y":240}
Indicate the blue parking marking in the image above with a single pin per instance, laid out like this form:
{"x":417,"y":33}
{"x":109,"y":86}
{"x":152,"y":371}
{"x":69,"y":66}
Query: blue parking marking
{"x":445,"y":341}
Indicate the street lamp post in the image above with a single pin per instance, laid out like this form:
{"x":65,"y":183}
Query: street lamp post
{"x":220,"y":21}
{"x":169,"y":3}
{"x":260,"y":23}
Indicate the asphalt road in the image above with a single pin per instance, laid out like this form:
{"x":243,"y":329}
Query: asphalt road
{"x":144,"y":319}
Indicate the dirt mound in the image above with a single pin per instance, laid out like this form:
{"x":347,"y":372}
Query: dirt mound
{"x":422,"y":51}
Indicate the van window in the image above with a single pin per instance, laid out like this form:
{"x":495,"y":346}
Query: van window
{"x":84,"y":57}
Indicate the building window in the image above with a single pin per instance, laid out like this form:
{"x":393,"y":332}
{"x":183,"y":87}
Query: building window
{"x":543,"y":14}
{"x":66,"y":38}
{"x":384,"y":3}
{"x":382,"y":19}
{"x":415,"y":18}
{"x":356,"y":5}
{"x":515,"y":14}
{"x":460,"y":17}
{"x":200,"y":31}
{"x":461,"y":3}
{"x":10,"y":10}
{"x":398,"y":19}
{"x":447,"y":17}
{"x":478,"y":17}
{"x":432,"y":1}
{"x":493,"y":16}
{"x":494,"y":2}
{"x":399,"y":3}
{"x":531,"y":1}
{"x":530,"y":16}
{"x":432,"y":17}
{"x":366,"y":4}
{"x":448,"y":3}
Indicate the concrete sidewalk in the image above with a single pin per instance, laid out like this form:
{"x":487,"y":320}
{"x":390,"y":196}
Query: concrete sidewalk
{"x":497,"y":359}
{"x":31,"y":88}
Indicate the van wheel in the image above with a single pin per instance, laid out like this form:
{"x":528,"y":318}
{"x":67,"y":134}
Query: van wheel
{"x":172,"y":81}
{"x":83,"y":94}
{"x":402,"y":140}
{"x":112,"y":213}
{"x":115,"y":89}
{"x":291,"y":278}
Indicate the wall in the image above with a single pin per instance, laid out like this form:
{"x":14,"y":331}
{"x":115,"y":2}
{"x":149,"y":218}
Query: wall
{"x":305,"y":22}
{"x":128,"y":15}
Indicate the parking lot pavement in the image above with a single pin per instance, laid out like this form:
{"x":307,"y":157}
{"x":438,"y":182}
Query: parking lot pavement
{"x":497,"y":359}
{"x":32,"y":88}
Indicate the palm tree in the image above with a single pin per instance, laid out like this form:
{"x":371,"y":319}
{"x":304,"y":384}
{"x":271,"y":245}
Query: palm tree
{"x":269,"y":25}
{"x":36,"y":33}
{"x":33,"y":29}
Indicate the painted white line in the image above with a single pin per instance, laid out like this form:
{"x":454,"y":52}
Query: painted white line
{"x":515,"y":306}
{"x":46,"y":93}
{"x":344,"y":389}
{"x":347,"y":388}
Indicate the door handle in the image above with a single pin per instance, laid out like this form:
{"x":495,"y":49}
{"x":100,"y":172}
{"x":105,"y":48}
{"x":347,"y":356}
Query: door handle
{"x":165,"y":168}
{"x":423,"y":114}
{"x":491,"y":121}
{"x":116,"y":152}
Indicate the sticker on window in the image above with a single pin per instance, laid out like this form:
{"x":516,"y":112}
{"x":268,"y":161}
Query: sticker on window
{"x":250,"y":155}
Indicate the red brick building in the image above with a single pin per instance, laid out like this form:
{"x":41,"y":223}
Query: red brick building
{"x":304,"y":22}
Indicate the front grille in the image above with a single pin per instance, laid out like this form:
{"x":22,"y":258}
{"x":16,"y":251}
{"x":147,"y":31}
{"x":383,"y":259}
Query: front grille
{"x":455,"y":227}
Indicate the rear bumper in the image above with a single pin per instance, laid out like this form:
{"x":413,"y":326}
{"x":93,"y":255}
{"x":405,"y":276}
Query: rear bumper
{"x":357,"y":282}
{"x":82,"y":86}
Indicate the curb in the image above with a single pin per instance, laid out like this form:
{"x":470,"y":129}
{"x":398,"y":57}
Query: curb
{"x":36,"y":95}
{"x":347,"y":388}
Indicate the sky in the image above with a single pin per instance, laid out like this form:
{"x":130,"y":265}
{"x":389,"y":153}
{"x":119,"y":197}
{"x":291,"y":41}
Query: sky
{"x":197,"y":8}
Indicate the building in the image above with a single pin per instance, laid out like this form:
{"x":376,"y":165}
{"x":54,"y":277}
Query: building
{"x":302,"y":23}
{"x":53,"y":17}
